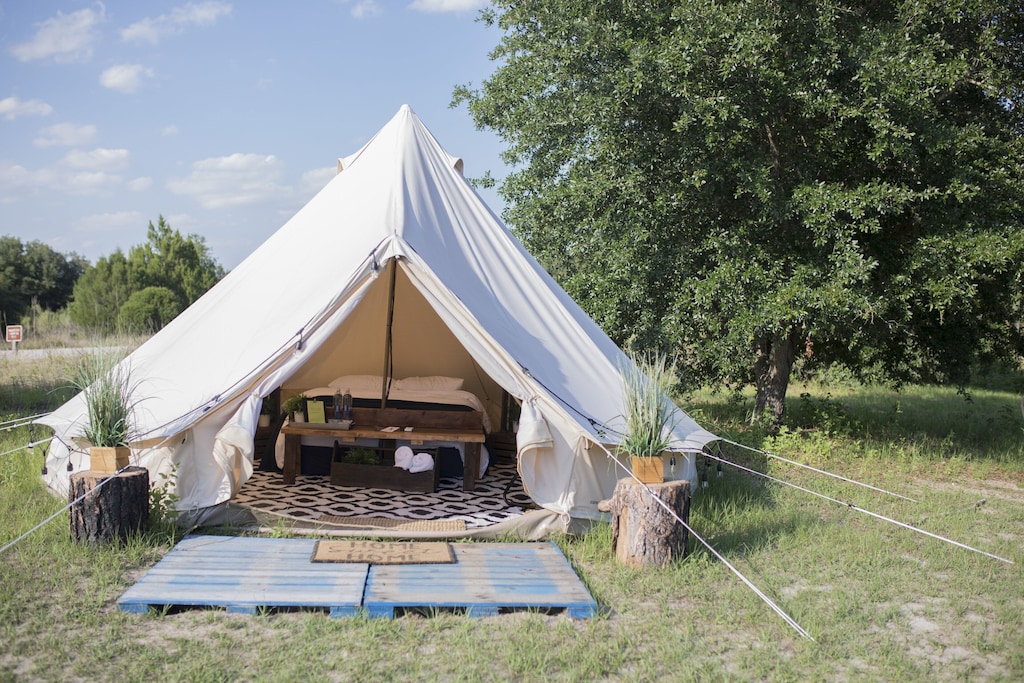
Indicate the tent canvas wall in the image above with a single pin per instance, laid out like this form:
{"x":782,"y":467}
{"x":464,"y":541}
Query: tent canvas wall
{"x":307,"y":305}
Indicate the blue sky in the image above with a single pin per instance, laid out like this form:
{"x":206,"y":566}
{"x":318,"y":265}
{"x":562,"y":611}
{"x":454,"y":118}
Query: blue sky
{"x":223,"y":116}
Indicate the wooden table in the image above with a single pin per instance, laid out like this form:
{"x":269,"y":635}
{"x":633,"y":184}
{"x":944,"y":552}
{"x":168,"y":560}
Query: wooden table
{"x":470,"y":438}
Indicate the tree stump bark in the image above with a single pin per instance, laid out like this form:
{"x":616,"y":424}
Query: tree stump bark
{"x":119,"y":508}
{"x":645,"y":534}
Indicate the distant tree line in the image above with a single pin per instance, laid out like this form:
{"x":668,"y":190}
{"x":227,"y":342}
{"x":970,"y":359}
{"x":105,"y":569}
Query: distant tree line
{"x":138,"y":292}
{"x":33,"y":272}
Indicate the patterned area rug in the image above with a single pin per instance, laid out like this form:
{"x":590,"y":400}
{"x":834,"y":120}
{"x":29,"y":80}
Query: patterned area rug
{"x":310,"y":497}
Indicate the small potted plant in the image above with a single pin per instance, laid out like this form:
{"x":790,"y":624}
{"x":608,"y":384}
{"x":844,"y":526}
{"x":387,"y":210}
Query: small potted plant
{"x":295,"y":406}
{"x":266,"y":412}
{"x":106,"y":386}
{"x":646,"y":385}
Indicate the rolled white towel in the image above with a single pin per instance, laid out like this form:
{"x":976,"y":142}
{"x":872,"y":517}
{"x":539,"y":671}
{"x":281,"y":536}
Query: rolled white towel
{"x":421,"y":462}
{"x":403,"y":457}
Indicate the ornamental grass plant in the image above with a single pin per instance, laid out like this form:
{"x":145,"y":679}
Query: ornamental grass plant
{"x":646,"y":386}
{"x":106,"y":385}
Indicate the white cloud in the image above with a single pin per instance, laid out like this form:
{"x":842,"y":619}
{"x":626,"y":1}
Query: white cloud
{"x":314,"y":181}
{"x":125,"y":77}
{"x":140,"y":184}
{"x":11,"y":108}
{"x":99,"y":159}
{"x":65,"y":37}
{"x":16,"y":181}
{"x":92,"y":183}
{"x":65,"y":135}
{"x":365,"y":8}
{"x":446,"y":5}
{"x":111,"y":222}
{"x":182,"y":222}
{"x":169,"y":130}
{"x":150,"y":30}
{"x":82,"y":173}
{"x":235,"y":180}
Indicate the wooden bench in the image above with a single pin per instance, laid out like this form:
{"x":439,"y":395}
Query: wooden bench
{"x":460,"y":426}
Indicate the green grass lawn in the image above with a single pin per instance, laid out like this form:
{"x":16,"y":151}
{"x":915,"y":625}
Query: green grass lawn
{"x":881,"y":602}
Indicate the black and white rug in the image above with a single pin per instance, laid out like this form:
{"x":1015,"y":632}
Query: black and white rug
{"x":312,"y":496}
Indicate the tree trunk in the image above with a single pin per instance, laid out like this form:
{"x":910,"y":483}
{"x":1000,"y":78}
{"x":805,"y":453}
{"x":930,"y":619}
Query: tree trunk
{"x":119,"y":508}
{"x":644,"y":533}
{"x":772,"y":368}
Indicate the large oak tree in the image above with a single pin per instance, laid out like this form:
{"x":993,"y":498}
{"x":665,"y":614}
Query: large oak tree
{"x":747,"y":182}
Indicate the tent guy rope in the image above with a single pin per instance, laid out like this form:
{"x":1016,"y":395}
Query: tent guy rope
{"x":860,"y":509}
{"x":59,"y":512}
{"x":815,"y":469}
{"x":30,"y":446}
{"x":764,"y":598}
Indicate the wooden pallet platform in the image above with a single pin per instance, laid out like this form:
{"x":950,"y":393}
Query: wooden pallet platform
{"x":245,"y":575}
{"x":486,"y":578}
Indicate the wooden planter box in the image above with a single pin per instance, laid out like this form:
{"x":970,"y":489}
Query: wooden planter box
{"x":382,"y":476}
{"x":109,"y":459}
{"x":648,"y":470}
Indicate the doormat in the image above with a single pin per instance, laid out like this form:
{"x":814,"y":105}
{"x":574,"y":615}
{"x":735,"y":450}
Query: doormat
{"x":383,"y":552}
{"x":397,"y":524}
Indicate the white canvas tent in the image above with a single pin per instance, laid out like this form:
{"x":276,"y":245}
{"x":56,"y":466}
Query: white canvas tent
{"x":310,"y":303}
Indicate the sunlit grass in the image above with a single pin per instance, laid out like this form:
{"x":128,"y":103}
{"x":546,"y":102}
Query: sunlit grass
{"x":882,"y":602}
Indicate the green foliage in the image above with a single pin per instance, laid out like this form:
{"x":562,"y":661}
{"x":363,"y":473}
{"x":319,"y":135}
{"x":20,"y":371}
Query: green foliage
{"x":747,"y":184}
{"x":100,"y":293}
{"x":106,"y":386}
{"x":173,"y":261}
{"x":163,"y":500}
{"x":296,"y":403}
{"x":149,"y":309}
{"x":156,"y":281}
{"x":33,"y":273}
{"x":360,"y":455}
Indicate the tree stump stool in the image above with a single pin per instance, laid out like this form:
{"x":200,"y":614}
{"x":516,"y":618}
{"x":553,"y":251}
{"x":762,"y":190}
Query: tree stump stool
{"x":645,"y":534}
{"x":118,"y":508}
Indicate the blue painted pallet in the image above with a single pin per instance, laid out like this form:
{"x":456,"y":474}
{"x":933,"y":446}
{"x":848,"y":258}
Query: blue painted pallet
{"x":486,"y":578}
{"x":245,"y":574}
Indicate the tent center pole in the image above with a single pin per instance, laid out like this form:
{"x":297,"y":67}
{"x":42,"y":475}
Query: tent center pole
{"x":386,"y":375}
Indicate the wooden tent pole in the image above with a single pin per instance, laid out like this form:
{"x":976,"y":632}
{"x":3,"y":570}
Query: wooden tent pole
{"x":386,"y":375}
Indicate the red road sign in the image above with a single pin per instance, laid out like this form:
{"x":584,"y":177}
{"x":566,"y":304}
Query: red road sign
{"x":14,"y":333}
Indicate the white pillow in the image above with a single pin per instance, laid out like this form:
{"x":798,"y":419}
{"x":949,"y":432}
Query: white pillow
{"x":356,"y":382}
{"x":431,"y":383}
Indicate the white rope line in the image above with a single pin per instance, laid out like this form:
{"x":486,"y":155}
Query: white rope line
{"x":58,"y":513}
{"x":788,"y":619}
{"x":860,"y":509}
{"x":815,"y":469}
{"x":775,"y":608}
{"x":31,"y":444}
{"x":20,"y":422}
